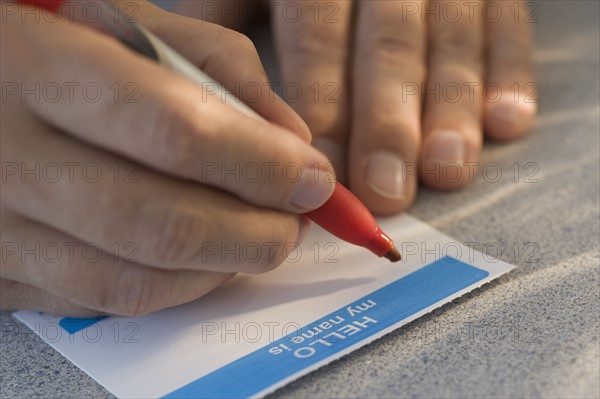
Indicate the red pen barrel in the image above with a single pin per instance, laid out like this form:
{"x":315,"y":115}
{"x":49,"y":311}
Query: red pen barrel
{"x":51,"y":5}
{"x":344,"y":216}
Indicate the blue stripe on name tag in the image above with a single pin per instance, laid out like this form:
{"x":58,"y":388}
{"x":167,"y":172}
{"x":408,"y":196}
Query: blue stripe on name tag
{"x":75,"y":324}
{"x":335,"y":332}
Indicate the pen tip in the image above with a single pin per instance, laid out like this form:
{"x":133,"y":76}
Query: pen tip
{"x":393,"y":254}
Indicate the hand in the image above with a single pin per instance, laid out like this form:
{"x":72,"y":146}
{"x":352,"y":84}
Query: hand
{"x":394,"y":90}
{"x":126,"y":189}
{"x":384,"y":57}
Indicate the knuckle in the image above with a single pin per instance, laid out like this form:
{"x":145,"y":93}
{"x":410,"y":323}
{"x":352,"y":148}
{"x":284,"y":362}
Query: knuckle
{"x":176,"y":139}
{"x":457,"y":42}
{"x":394,"y":48}
{"x":244,"y":43}
{"x":317,"y":42}
{"x":388,"y":126}
{"x":236,"y":42}
{"x":176,"y":234}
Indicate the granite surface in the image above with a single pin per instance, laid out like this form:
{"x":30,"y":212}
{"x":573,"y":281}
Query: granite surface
{"x":531,"y":333}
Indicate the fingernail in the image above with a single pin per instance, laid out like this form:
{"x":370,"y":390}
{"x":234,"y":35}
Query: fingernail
{"x":448,"y":146}
{"x":314,"y":187}
{"x":511,"y":112}
{"x":384,"y":174}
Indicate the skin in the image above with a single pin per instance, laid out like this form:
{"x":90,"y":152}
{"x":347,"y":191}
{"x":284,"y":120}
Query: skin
{"x":387,"y":128}
{"x":162,"y":234}
{"x":393,"y":66}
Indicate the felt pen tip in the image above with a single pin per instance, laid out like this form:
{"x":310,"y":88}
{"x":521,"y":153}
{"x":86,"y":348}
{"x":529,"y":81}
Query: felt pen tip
{"x":393,"y":254}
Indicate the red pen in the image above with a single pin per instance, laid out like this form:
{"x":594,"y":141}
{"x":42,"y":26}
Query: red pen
{"x":343,"y":215}
{"x":51,"y":5}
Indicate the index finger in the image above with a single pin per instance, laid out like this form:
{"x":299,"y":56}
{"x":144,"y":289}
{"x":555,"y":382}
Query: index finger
{"x":170,"y":125}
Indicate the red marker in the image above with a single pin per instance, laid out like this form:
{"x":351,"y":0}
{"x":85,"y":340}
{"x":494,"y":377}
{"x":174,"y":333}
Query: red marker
{"x":51,"y":5}
{"x":343,"y":215}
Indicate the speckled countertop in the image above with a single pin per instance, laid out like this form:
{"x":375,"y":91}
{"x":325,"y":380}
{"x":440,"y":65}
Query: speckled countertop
{"x":531,"y":333}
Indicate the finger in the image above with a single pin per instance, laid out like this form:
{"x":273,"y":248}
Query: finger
{"x":227,"y":56}
{"x":453,"y":116}
{"x":101,"y":198}
{"x":167,"y":126}
{"x":19,"y":296}
{"x":511,"y":95}
{"x":388,"y":74}
{"x":76,"y":273}
{"x":312,"y":40}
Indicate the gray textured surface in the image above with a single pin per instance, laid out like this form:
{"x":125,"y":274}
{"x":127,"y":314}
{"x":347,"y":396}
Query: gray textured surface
{"x":532,"y":333}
